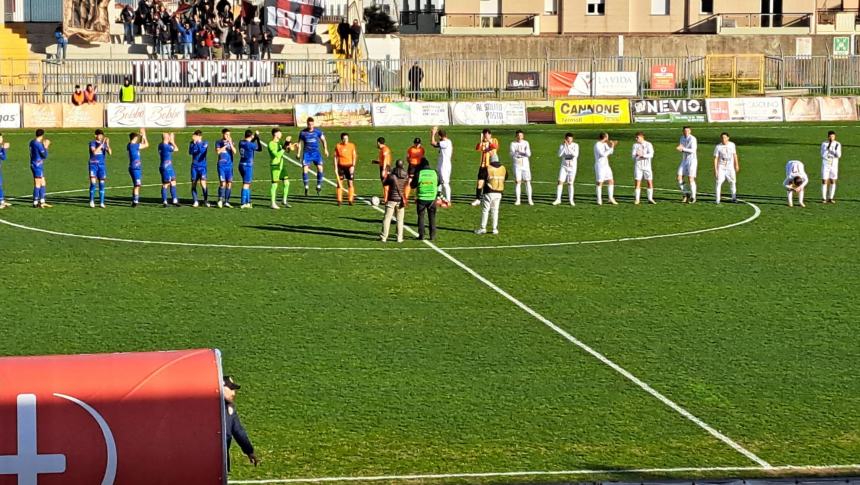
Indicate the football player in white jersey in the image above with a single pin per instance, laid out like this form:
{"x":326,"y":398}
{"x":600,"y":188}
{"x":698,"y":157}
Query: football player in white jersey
{"x":521,"y":151}
{"x":439,"y":139}
{"x":602,"y":171}
{"x":689,"y":167}
{"x":831,"y":152}
{"x":568,"y":154}
{"x":795,"y":181}
{"x":726,"y":167}
{"x":643,"y":154}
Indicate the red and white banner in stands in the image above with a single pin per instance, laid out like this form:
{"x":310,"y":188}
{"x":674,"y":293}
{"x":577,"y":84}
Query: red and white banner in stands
{"x":139,"y":418}
{"x":568,"y":83}
{"x":10,"y":115}
{"x":147,"y":115}
{"x":297,"y":19}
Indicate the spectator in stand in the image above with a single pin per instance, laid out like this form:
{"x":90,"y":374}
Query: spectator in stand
{"x":78,"y":96}
{"x":254,"y":30}
{"x":126,"y":91}
{"x":343,"y":31}
{"x":416,"y":77}
{"x":90,"y":94}
{"x":208,"y":43}
{"x":355,"y":36}
{"x":127,"y":17}
{"x":143,"y":17}
{"x":186,"y":37}
{"x":217,"y":49}
{"x":254,"y":49}
{"x":237,"y":43}
{"x":165,"y":38}
{"x":225,"y":9}
{"x":62,"y":42}
{"x":266,"y":44}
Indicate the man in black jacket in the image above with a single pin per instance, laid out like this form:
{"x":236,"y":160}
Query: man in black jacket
{"x":234,"y":424}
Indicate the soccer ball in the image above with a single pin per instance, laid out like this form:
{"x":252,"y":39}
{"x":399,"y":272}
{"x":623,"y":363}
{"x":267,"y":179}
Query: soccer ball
{"x":374,"y":201}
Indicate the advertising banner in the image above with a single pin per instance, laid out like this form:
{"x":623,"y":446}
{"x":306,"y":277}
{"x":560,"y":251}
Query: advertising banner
{"x":486,"y":113}
{"x":663,"y":77}
{"x":84,"y":116}
{"x":411,"y":114}
{"x":801,"y":109}
{"x":43,"y":115}
{"x":669,"y":110}
{"x":724,"y":110}
{"x":592,"y":111}
{"x":523,"y":81}
{"x":838,"y":108}
{"x":334,"y":114}
{"x":202,"y":73}
{"x":10,"y":115}
{"x":147,"y":115}
{"x":567,"y":83}
{"x":136,"y":418}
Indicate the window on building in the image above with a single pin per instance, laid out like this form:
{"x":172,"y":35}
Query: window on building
{"x":595,"y":7}
{"x":659,"y":7}
{"x":707,"y":6}
{"x":550,"y":7}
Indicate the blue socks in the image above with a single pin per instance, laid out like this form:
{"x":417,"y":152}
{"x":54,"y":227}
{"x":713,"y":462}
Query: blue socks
{"x":101,"y":192}
{"x":319,"y":176}
{"x":227,"y":194}
{"x":220,"y":192}
{"x":163,"y":195}
{"x":246,"y":196}
{"x":36,"y":193}
{"x":194,"y":193}
{"x":305,"y":178}
{"x":92,"y":192}
{"x":206,"y":194}
{"x":172,"y":192}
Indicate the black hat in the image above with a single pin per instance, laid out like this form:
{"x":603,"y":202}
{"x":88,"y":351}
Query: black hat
{"x":417,"y":141}
{"x":230,"y":383}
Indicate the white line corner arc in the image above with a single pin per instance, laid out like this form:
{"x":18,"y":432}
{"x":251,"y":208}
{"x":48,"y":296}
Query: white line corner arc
{"x":110,"y":443}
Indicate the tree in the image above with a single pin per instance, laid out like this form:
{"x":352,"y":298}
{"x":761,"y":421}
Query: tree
{"x":378,"y":21}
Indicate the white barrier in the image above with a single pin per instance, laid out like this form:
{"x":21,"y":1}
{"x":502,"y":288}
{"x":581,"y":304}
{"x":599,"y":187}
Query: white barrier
{"x":486,"y":113}
{"x":411,"y":114}
{"x":147,"y":115}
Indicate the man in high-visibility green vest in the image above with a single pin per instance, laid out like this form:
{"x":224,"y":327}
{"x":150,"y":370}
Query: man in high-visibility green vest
{"x":126,"y":92}
{"x":426,"y":180}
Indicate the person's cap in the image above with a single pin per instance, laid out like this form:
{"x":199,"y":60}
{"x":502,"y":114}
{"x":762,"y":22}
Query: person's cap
{"x":230,"y":383}
{"x":416,"y":141}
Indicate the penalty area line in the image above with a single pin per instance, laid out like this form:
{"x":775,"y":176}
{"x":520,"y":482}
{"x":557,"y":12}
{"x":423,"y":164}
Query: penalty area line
{"x":640,"y":471}
{"x":582,"y":345}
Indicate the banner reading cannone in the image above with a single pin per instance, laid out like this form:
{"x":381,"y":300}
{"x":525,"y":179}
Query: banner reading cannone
{"x":297,"y":19}
{"x":88,"y":19}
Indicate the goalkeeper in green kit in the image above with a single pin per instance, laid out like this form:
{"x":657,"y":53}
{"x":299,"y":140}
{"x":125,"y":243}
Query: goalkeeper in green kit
{"x":277,"y":150}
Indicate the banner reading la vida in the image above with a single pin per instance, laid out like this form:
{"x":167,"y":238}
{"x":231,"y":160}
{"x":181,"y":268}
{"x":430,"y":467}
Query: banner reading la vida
{"x":146,"y":115}
{"x":485,"y":113}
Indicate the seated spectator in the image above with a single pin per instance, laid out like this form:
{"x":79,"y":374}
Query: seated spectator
{"x":90,"y":94}
{"x":78,"y":96}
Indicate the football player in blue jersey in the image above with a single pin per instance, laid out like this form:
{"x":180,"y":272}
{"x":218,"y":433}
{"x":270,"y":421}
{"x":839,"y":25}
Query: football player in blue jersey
{"x":198,"y":149}
{"x":165,"y":168}
{"x":247,"y":149}
{"x":310,"y":140}
{"x":99,"y":149}
{"x":38,"y":153}
{"x":226,"y":150}
{"x":136,"y":143}
{"x":3,"y":147}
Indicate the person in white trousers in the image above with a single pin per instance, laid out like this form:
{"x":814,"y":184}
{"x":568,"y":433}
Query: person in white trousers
{"x":521,"y":152}
{"x":568,"y":154}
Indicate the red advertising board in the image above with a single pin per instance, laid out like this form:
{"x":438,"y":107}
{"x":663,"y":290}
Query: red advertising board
{"x":139,"y":418}
{"x":663,"y":77}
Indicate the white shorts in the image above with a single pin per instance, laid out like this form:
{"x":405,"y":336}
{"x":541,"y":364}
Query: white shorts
{"x":642,"y":171}
{"x":829,"y":170}
{"x":522,"y":171}
{"x":445,"y":173}
{"x":688,"y":168}
{"x":567,"y":173}
{"x":602,"y":172}
{"x":726,"y":173}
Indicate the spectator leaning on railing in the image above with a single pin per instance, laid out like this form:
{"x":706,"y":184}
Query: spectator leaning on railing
{"x":90,"y":94}
{"x":77,"y":96}
{"x":62,"y":42}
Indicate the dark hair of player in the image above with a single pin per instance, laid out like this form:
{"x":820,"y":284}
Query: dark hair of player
{"x":248,"y":133}
{"x":686,"y":128}
{"x":568,"y":135}
{"x":603,"y":135}
{"x":100,"y":132}
{"x":798,"y":181}
{"x":443,"y":133}
{"x":224,"y":131}
{"x":519,"y":132}
{"x":380,"y":140}
{"x":724,"y":134}
{"x":310,"y":119}
{"x":198,"y":132}
{"x":831,"y":132}
{"x":132,"y":136}
{"x":275,"y":130}
{"x":639,"y":133}
{"x":39,"y":132}
{"x":486,"y":132}
{"x":343,"y":135}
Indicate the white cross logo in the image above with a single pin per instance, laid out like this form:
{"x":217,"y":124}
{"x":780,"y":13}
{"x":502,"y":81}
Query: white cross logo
{"x":28,"y":464}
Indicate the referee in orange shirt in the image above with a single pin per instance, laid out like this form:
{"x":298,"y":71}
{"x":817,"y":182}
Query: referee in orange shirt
{"x":383,"y":159}
{"x":345,"y":158}
{"x":414,"y":155}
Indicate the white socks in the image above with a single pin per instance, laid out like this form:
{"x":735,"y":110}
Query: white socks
{"x":682,"y":188}
{"x":529,"y":192}
{"x":569,"y":191}
{"x":636,"y":193}
{"x":693,"y":189}
{"x":832,"y":190}
{"x":650,"y":195}
{"x":611,"y":192}
{"x":718,"y":192}
{"x":824,"y":192}
{"x":599,"y":194}
{"x":446,"y":188}
{"x":518,"y":190}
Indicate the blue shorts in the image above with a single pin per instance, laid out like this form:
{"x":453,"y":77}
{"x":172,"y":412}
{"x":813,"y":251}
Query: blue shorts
{"x":98,"y":171}
{"x":225,"y":173}
{"x":247,"y":173}
{"x":198,"y":172}
{"x":167,"y":174}
{"x":38,"y":170}
{"x":311,"y":157}
{"x":136,"y":176}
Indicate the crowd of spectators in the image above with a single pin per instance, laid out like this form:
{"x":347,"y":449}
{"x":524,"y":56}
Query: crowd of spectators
{"x":204,"y":30}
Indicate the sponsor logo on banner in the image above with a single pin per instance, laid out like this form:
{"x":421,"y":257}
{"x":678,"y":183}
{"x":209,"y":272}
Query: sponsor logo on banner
{"x":147,"y":115}
{"x":334,"y":114}
{"x":566,"y":83}
{"x":297,"y":19}
{"x":202,"y":73}
{"x":83,"y":116}
{"x":489,"y":113}
{"x":90,"y":412}
{"x":43,"y":115}
{"x":10,"y":115}
{"x":669,"y":110}
{"x":410,"y":114}
{"x":723,"y":110}
{"x":663,"y":77}
{"x":592,"y":111}
{"x":523,"y":81}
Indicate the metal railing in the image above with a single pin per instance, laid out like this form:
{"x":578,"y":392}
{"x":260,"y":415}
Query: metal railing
{"x":828,"y":16}
{"x":765,"y":20}
{"x":508,"y":20}
{"x":367,"y":80}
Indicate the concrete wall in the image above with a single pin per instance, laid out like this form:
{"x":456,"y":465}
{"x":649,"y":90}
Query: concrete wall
{"x":483,"y":47}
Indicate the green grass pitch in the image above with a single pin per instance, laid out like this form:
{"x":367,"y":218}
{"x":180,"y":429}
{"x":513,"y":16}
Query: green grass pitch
{"x":362,"y":359}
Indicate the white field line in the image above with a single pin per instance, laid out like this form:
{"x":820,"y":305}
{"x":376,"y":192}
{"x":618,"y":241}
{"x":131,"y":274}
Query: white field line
{"x":570,"y":338}
{"x":641,"y":471}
